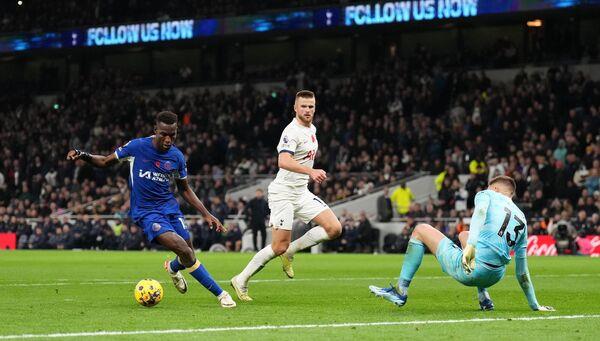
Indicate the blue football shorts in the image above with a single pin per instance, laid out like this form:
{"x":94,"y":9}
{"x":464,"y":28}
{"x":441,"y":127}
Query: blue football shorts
{"x":155,"y":224}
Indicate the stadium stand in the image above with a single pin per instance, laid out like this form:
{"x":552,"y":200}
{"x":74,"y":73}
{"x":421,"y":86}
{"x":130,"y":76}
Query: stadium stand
{"x":393,"y":118}
{"x":555,"y":160}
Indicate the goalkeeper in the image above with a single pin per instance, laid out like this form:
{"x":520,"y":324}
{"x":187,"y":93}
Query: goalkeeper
{"x":497,"y":227}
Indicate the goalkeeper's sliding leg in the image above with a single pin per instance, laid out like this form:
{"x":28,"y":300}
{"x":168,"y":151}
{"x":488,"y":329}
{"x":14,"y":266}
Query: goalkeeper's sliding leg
{"x":423,"y":235}
{"x":449,"y":255}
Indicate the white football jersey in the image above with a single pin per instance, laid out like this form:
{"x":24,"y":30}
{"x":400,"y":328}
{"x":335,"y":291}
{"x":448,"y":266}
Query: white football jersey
{"x":301,"y":143}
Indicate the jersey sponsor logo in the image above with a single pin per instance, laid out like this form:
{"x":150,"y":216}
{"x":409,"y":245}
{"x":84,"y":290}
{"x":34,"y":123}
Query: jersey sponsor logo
{"x":311,"y":155}
{"x":156,"y":227}
{"x":154,"y":176}
{"x":285,"y":139}
{"x":146,"y":174}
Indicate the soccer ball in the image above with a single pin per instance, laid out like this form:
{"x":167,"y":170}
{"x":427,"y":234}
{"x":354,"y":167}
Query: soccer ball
{"x":148,"y":292}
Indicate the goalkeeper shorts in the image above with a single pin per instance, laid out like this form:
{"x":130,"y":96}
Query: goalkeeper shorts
{"x":450,"y":257}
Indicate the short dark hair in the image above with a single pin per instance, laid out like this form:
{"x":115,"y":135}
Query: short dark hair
{"x":305,"y":94}
{"x":166,"y":117}
{"x":506,"y":180}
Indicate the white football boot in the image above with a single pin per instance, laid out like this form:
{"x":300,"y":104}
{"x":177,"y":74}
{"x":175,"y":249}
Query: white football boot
{"x":177,"y":278}
{"x":241,"y":289}
{"x":225,"y":300}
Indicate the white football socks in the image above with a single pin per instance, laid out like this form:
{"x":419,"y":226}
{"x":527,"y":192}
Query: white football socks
{"x":313,"y":237}
{"x":257,"y":262}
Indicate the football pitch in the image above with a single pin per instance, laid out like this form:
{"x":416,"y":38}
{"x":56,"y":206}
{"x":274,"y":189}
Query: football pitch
{"x":89,"y":294}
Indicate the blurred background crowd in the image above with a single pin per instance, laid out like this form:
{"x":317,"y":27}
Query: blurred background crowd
{"x":399,"y":115}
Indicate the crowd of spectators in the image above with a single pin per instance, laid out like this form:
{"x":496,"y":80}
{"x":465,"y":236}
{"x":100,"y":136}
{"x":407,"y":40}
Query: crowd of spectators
{"x":543,"y":131}
{"x":103,"y":112}
{"x":358,"y":236}
{"x":396,"y":118}
{"x":84,"y":233}
{"x":89,"y":232}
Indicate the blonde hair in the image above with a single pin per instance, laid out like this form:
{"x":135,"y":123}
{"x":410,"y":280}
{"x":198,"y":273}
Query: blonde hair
{"x":505,"y":180}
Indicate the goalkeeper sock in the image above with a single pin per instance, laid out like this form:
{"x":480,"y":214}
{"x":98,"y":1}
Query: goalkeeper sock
{"x":311,"y":238}
{"x":201,"y":275}
{"x":412,"y":261}
{"x":482,"y":294}
{"x":257,"y":262}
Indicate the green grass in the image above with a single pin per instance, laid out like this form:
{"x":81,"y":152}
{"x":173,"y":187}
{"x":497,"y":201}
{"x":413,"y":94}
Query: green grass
{"x":68,"y":292}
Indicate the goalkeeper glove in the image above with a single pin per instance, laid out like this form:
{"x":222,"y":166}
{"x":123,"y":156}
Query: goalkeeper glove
{"x":468,"y":259}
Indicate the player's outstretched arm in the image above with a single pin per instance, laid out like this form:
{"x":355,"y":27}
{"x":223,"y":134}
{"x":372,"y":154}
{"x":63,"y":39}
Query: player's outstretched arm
{"x":522,"y":273}
{"x":482,"y":202}
{"x":188,"y":194}
{"x":288,"y":163}
{"x":99,"y":161}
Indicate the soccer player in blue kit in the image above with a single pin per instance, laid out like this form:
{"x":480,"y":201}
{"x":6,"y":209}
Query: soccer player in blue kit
{"x":153,"y":161}
{"x":497,"y":227}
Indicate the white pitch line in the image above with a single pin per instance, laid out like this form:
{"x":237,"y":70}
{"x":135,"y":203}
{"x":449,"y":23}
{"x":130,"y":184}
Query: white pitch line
{"x":289,"y":281}
{"x":220,"y":281}
{"x":292,"y":326}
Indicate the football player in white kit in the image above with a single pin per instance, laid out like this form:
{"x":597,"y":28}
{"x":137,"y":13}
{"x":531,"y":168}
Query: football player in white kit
{"x":290,"y":198}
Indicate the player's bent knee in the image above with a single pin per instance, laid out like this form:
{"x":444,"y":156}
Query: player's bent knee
{"x":420,"y":228}
{"x":279,"y":248}
{"x":333,"y":230}
{"x":187,"y":255}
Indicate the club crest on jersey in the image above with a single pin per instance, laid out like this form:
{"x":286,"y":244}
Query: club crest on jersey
{"x":168,"y":165}
{"x":156,"y":227}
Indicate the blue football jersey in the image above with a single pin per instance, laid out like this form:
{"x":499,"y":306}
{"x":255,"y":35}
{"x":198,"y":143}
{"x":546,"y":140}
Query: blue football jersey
{"x":150,"y":174}
{"x":504,"y":229}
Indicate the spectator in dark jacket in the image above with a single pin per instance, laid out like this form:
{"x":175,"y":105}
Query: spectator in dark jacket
{"x":368,"y":238}
{"x":257,"y":211}
{"x":385,"y":211}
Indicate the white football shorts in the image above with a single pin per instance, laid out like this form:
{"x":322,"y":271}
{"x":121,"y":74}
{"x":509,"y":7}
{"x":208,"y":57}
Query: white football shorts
{"x":287,"y":203}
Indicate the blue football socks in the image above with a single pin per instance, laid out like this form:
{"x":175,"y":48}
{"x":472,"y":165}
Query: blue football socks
{"x":176,"y":265}
{"x":201,"y":275}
